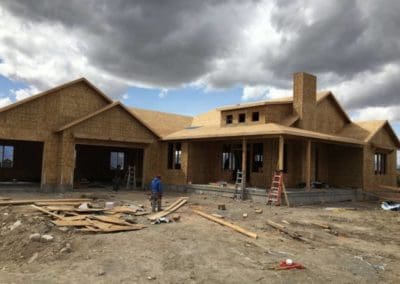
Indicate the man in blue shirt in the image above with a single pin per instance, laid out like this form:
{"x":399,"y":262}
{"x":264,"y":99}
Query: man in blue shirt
{"x":156,"y":193}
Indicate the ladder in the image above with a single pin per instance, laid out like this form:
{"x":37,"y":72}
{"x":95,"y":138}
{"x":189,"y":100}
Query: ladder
{"x":274,"y":196}
{"x":131,"y":177}
{"x":239,"y":192}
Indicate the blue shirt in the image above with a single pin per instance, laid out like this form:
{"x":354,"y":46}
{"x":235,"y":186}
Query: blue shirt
{"x":156,"y":186}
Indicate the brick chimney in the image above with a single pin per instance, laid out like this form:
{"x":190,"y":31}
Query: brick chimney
{"x":305,"y":99}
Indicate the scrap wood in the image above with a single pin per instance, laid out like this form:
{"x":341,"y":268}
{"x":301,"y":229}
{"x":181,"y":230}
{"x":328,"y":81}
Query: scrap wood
{"x":4,"y":198}
{"x":70,"y":223}
{"x":385,"y":187}
{"x":173,"y":207}
{"x":52,"y":203}
{"x":110,"y":220}
{"x":76,"y":217}
{"x":338,"y":209}
{"x":47,"y":212}
{"x":32,"y":201}
{"x":283,"y":229}
{"x":122,"y":209}
{"x":142,"y":213}
{"x":73,"y":209}
{"x":227,"y":224}
{"x":108,"y":228}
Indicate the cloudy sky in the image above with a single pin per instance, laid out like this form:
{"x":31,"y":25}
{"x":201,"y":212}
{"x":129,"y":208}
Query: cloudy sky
{"x":189,"y":56}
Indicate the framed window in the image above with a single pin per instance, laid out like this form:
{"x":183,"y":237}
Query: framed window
{"x":229,"y":119}
{"x":255,"y":116}
{"x":258,"y":157}
{"x":117,"y":159}
{"x":174,"y":156}
{"x":242,"y":117}
{"x":177,"y":156}
{"x":6,"y":156}
{"x":228,"y":158}
{"x":380,"y":163}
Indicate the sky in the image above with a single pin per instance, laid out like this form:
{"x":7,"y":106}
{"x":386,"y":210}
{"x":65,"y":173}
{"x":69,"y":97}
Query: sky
{"x":188,"y":56}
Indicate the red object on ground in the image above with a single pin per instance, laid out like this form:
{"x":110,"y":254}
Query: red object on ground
{"x":284,"y":266}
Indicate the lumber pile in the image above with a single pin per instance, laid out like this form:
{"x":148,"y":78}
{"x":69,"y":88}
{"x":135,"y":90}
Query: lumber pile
{"x":96,"y":220}
{"x":171,"y":208}
{"x":52,"y":201}
{"x":227,"y":224}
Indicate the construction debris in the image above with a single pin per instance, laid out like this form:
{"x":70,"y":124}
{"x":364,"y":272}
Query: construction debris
{"x":221,"y":207}
{"x":225,"y":223}
{"x":217,"y":215}
{"x":171,"y":208}
{"x":283,"y":229}
{"x":258,"y":211}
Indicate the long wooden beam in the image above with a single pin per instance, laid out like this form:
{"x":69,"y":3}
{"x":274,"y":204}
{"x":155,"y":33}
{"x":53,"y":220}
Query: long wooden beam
{"x":281,"y":153}
{"x":227,"y":224}
{"x":308,"y":165}
{"x":32,"y":201}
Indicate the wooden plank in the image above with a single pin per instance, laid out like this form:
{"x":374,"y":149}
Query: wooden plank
{"x":73,"y":209}
{"x":281,"y":153}
{"x":285,"y":194}
{"x":390,"y":187}
{"x":76,"y":218}
{"x":69,"y":223}
{"x":4,"y":198}
{"x":123,"y":209}
{"x":111,"y":220}
{"x":47,"y":212}
{"x":107,"y":227}
{"x":52,"y":203}
{"x":227,"y":224}
{"x":173,"y":207}
{"x":283,"y":229}
{"x":32,"y":201}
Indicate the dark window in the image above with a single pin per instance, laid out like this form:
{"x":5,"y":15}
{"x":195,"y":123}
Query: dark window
{"x":380,"y":163}
{"x":228,"y":159}
{"x":174,"y":156}
{"x":285,"y":158}
{"x":258,"y":157}
{"x":255,"y":116}
{"x":117,"y":159}
{"x":6,"y":156}
{"x":242,"y":117}
{"x":177,"y":156}
{"x":170,"y":155}
{"x":229,"y":119}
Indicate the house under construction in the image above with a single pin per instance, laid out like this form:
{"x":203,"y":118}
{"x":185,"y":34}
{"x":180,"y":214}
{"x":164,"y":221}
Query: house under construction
{"x":74,"y":133}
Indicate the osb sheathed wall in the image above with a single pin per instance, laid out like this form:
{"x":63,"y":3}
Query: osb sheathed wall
{"x":328,"y":118}
{"x":37,"y":119}
{"x":372,"y":180}
{"x":172,"y":176}
{"x":267,"y":114}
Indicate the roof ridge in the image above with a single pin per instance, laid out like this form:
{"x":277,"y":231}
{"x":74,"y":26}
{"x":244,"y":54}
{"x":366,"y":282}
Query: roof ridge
{"x":163,"y":112}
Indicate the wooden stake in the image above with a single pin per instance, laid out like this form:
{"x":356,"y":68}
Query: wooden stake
{"x":47,"y":212}
{"x":227,"y":224}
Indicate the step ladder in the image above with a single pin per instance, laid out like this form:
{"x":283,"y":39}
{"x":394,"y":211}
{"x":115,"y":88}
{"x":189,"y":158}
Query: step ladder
{"x":131,"y":177}
{"x":239,"y":192}
{"x":274,"y":196}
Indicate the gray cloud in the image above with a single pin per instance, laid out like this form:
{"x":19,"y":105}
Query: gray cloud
{"x":164,"y":44}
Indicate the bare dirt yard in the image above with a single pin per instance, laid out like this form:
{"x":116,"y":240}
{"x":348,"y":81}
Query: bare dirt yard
{"x":361,"y":246}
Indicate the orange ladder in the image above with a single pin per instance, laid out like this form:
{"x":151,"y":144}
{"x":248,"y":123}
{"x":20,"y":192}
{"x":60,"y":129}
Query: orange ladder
{"x":275,"y":193}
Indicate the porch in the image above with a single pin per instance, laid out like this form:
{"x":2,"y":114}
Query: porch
{"x":307,"y":164}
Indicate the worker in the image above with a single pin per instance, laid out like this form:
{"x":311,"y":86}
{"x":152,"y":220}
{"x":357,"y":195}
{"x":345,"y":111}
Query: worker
{"x":117,"y":178}
{"x":156,"y":193}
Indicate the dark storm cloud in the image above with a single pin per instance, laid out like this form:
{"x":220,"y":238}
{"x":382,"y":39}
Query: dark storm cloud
{"x":170,"y":43}
{"x":162,"y":43}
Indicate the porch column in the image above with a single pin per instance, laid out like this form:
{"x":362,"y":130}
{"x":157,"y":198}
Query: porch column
{"x":281,"y":153}
{"x":244,"y":162}
{"x":308,"y":165}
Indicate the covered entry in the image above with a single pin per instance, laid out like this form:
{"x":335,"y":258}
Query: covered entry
{"x":96,"y":164}
{"x":20,"y":161}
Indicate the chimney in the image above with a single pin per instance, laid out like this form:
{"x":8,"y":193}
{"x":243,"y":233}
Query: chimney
{"x":305,"y":99}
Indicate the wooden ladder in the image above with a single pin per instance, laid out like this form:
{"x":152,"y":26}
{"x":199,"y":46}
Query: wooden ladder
{"x":131,"y":177}
{"x":274,"y":196}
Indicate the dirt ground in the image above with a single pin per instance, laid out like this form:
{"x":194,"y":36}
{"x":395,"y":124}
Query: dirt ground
{"x":196,"y":250}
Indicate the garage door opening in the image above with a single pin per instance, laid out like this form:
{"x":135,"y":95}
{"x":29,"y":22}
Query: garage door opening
{"x":20,"y":162}
{"x":95,"y":165}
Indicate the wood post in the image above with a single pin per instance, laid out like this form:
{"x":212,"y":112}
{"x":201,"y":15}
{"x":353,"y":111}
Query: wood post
{"x":308,"y":165}
{"x":281,"y":153}
{"x":244,"y":163}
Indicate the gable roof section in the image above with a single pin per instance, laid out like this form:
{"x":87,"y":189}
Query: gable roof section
{"x":366,"y":130}
{"x":110,"y":106}
{"x":161,"y":122}
{"x":329,"y":95}
{"x":285,"y":100}
{"x":55,"y":89}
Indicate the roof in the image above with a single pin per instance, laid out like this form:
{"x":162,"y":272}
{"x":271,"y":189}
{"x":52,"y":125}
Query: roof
{"x":161,"y":122}
{"x":366,"y":130}
{"x":212,"y":117}
{"x":328,"y":94}
{"x":285,"y":100}
{"x":254,"y":130}
{"x":110,"y":106}
{"x":55,"y":89}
